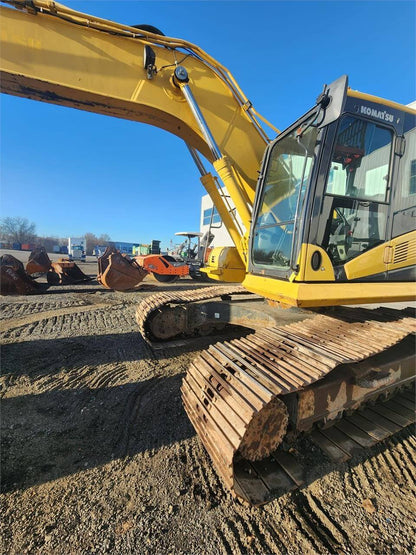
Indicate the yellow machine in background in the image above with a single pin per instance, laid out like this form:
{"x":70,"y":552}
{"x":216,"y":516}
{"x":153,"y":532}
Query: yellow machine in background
{"x":324,"y":216}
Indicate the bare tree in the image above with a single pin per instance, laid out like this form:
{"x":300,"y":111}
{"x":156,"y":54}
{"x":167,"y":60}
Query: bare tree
{"x":17,"y":230}
{"x":104,"y":239}
{"x":92,"y":241}
{"x":49,"y":242}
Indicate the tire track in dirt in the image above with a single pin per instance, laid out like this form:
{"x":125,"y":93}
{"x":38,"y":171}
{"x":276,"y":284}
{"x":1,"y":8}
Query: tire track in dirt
{"x":183,"y":464}
{"x":10,"y":324}
{"x":60,"y":368}
{"x":226,"y":547}
{"x":407,"y":450}
{"x":348,"y":486}
{"x":231,"y":534}
{"x":391,"y":460}
{"x":330,"y":525}
{"x":308,"y":534}
{"x":392,"y":463}
{"x":267,"y":536}
{"x":240,"y":531}
{"x":124,"y":316}
{"x":137,"y":400}
{"x":10,"y":311}
{"x":278,"y":532}
{"x":90,"y":376}
{"x":205,"y":481}
{"x":77,"y":377}
{"x":108,"y":375}
{"x":91,"y":320}
{"x":236,"y":533}
{"x":393,"y":499}
{"x":396,"y":466}
{"x":255,"y":532}
{"x":364,"y":476}
{"x":260,"y":531}
{"x":412,"y":441}
{"x":316,"y":524}
{"x":38,"y":328}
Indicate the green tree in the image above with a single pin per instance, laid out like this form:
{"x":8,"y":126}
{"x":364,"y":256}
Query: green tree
{"x":17,"y":230}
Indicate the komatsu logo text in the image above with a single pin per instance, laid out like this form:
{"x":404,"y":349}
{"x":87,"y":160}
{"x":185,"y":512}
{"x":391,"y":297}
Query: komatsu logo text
{"x":380,"y":114}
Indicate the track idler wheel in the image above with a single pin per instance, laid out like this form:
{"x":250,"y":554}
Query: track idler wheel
{"x":165,"y":324}
{"x":265,"y":431}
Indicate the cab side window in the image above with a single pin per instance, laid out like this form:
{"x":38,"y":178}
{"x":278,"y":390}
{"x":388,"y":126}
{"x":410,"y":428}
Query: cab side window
{"x":360,"y":161}
{"x":357,"y":190}
{"x":404,"y":203}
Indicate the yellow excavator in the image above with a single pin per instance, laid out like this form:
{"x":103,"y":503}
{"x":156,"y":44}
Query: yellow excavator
{"x":323,"y":218}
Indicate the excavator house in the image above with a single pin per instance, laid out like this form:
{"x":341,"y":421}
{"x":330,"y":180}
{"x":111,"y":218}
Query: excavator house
{"x":323,"y":222}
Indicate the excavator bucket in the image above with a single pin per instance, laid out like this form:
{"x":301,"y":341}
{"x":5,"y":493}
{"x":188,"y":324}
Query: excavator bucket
{"x":13,"y":278}
{"x":65,"y":272}
{"x":39,"y":262}
{"x":118,"y":271}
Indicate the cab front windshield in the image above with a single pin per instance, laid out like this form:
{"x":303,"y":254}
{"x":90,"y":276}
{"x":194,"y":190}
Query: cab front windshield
{"x":286,"y":178}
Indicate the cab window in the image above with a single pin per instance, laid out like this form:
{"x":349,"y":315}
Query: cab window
{"x":357,"y":189}
{"x":360,"y":161}
{"x":285,"y":183}
{"x":404,"y":208}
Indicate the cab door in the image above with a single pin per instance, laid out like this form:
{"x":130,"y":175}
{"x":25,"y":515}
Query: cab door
{"x":354,"y":215}
{"x":400,"y":254}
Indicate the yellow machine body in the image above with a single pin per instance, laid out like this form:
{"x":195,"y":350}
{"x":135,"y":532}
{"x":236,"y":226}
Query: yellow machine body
{"x":54,"y":54}
{"x":224,"y":264}
{"x":313,"y":288}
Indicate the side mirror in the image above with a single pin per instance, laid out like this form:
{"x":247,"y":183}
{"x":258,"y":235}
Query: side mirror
{"x":332,"y":101}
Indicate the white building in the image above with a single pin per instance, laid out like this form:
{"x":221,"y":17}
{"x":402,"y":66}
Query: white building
{"x":209,"y":215}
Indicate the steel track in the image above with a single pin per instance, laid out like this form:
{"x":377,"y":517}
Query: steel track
{"x":155,"y":304}
{"x":229,"y":386}
{"x":232,"y":391}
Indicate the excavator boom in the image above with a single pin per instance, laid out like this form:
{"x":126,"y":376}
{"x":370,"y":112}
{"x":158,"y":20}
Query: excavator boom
{"x":73,"y":55}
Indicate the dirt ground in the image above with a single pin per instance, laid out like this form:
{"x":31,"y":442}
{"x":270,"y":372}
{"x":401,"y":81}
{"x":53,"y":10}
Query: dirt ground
{"x":98,"y":455}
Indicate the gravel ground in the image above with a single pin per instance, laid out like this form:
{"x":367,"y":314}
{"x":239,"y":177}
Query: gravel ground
{"x":98,"y":455}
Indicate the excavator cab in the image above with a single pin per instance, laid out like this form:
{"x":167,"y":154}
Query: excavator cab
{"x":332,"y":217}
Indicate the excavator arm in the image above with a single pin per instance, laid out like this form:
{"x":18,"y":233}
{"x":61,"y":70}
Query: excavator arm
{"x":54,"y":54}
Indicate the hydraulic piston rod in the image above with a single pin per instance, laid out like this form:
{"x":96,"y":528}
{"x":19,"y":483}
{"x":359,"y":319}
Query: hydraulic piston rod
{"x":223,"y":166}
{"x":181,"y":76}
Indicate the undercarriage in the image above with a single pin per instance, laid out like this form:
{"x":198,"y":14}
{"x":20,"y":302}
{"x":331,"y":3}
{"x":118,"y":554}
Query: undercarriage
{"x":327,"y":373}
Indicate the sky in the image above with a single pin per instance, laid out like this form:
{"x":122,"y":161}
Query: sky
{"x":72,"y":172}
